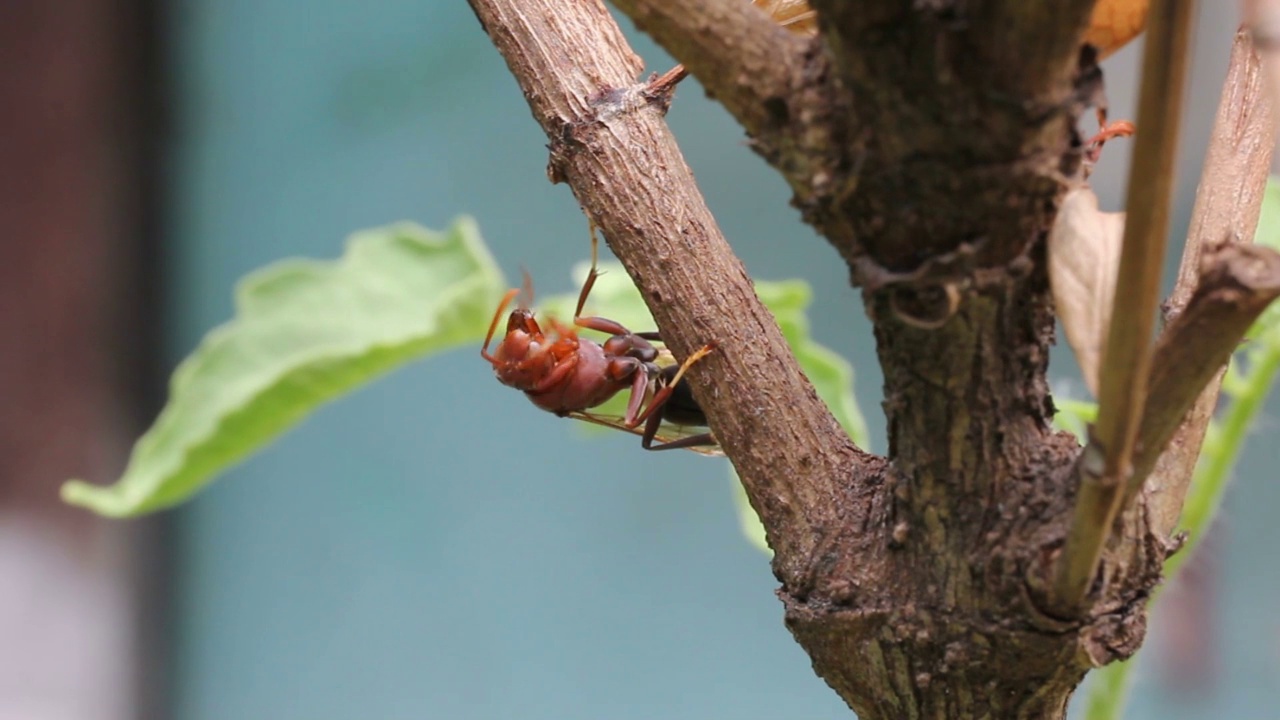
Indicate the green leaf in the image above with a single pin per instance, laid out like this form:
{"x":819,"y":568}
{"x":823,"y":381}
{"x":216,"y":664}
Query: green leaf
{"x":748,"y":520}
{"x":831,"y":375}
{"x":1268,"y":234}
{"x":1109,"y":690}
{"x":1075,"y":416}
{"x":305,"y":332}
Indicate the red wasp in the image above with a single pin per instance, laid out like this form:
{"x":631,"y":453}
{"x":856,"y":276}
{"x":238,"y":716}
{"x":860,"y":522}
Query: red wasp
{"x":569,"y":375}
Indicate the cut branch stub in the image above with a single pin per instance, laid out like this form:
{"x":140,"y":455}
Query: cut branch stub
{"x":1239,"y":282}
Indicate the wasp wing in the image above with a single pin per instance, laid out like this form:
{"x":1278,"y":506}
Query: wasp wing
{"x":667,"y":433}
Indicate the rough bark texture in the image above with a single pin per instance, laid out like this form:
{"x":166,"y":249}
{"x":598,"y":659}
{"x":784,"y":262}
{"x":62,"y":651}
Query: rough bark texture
{"x":930,"y":143}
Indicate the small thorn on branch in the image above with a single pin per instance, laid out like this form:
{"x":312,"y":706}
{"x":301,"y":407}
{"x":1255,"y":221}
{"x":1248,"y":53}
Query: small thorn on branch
{"x":665,"y":83}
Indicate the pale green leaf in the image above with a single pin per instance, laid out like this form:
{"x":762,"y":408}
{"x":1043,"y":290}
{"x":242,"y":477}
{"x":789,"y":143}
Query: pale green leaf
{"x":748,"y":520}
{"x":1267,"y":327}
{"x":305,"y":332}
{"x":1075,"y":416}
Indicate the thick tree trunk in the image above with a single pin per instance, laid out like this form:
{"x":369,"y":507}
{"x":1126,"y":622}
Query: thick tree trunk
{"x":930,"y":142}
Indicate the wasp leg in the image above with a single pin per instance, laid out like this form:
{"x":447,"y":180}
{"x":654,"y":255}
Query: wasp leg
{"x":660,"y":398}
{"x":603,"y":325}
{"x":556,"y":376}
{"x":651,"y":430}
{"x":591,"y":276}
{"x":618,"y":370}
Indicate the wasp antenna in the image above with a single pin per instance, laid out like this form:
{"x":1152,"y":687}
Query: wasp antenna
{"x":493,"y":324}
{"x":560,"y":328}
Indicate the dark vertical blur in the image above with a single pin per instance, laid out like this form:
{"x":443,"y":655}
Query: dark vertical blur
{"x":80,"y":141}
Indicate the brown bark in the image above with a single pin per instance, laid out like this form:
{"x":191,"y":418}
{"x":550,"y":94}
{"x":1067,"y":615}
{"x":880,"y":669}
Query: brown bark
{"x":930,"y":143}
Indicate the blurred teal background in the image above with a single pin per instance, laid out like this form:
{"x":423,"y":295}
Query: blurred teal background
{"x":433,"y":546}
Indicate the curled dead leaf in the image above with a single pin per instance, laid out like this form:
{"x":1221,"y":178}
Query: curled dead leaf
{"x":1084,"y":263}
{"x":795,"y":15}
{"x":1114,"y":23}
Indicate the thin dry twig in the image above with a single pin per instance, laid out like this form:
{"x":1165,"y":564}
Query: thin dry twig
{"x":1127,"y":356}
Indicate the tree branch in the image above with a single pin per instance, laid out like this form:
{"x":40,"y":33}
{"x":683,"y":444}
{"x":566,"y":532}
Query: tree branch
{"x":931,"y":143}
{"x":992,"y":101}
{"x":611,"y":144}
{"x":740,"y":56}
{"x":1126,"y":359}
{"x":1228,"y":202}
{"x":1238,"y":282}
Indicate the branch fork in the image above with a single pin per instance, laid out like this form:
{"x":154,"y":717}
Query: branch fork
{"x":891,"y":567}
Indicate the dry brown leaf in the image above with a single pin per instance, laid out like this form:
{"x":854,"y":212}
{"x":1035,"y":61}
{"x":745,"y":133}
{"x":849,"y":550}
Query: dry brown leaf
{"x":795,"y":15}
{"x":1114,"y":23}
{"x":1084,"y":261}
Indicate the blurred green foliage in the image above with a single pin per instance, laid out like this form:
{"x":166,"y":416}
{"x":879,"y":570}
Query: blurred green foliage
{"x":305,"y":332}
